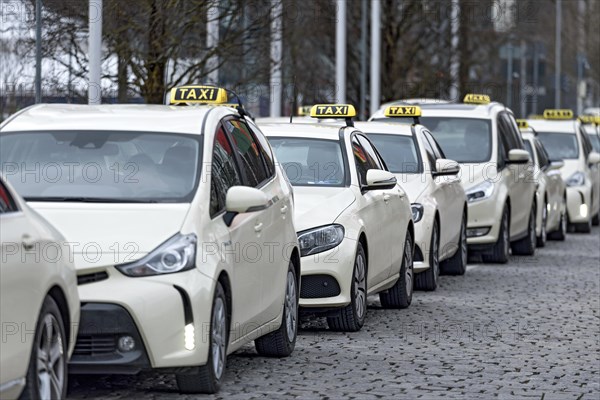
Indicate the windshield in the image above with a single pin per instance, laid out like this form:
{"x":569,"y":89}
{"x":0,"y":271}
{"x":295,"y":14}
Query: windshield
{"x":559,"y":146}
{"x":310,"y":162}
{"x":466,"y":140}
{"x":399,"y":152}
{"x":595,"y":140}
{"x":101,"y":166}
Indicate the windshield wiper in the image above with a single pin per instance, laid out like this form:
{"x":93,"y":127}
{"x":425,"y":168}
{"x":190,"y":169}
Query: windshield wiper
{"x":87,"y":199}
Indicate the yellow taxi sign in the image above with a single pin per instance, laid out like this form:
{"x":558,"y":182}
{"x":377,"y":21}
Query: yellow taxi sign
{"x":332,"y":111}
{"x":590,"y":119}
{"x":303,"y":111}
{"x":477,"y":99}
{"x":522,"y":124}
{"x":558,"y":114}
{"x":536,"y":116}
{"x":402,"y":111}
{"x":196,"y":94}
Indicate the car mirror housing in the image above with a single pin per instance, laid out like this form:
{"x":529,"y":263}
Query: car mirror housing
{"x":380,"y":179}
{"x":446,"y":167}
{"x":243,"y":199}
{"x":518,"y":156}
{"x":594,"y":158}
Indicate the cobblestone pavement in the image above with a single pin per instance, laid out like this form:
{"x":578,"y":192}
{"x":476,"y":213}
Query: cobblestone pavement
{"x":528,"y":329}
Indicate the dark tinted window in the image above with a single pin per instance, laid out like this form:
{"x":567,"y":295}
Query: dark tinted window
{"x":513,"y":129}
{"x":7,"y":203}
{"x":466,"y":140}
{"x":439,"y":153}
{"x":399,"y":152}
{"x":506,"y":133}
{"x":224,"y":173}
{"x":249,"y":151}
{"x":362,"y":161}
{"x":595,"y":141}
{"x":585,"y":141}
{"x":529,"y":149}
{"x":430,"y":154}
{"x":542,"y":155}
{"x":265,"y":150}
{"x":371,"y":153}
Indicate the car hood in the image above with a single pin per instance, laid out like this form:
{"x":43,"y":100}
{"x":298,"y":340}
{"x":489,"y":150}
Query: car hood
{"x":413,"y":184}
{"x":100,"y":235}
{"x":317,"y":206}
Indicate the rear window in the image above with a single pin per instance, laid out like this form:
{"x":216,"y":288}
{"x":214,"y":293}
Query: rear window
{"x":560,"y":146}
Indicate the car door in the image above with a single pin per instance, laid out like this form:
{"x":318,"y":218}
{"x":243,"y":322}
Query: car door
{"x":553,"y":185}
{"x":264,"y":251}
{"x":593,"y":168}
{"x":20,"y":297}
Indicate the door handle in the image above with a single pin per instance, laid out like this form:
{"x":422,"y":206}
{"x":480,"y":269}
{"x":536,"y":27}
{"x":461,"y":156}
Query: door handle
{"x":284,"y":209}
{"x":386,"y":197}
{"x":258,"y":227}
{"x":28,"y":242}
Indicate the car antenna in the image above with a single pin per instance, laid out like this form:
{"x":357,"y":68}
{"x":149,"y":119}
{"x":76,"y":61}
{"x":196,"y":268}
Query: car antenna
{"x":293,"y":99}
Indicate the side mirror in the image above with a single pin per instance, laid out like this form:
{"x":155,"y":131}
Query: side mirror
{"x":557,"y":164}
{"x":243,"y":199}
{"x":594,"y":158}
{"x":380,"y":179}
{"x":518,"y":156}
{"x":445,"y":167}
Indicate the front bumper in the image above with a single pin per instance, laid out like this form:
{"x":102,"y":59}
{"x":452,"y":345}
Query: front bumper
{"x":337,"y":264}
{"x":154,"y":311}
{"x":485,"y":214}
{"x":423,"y":243}
{"x":579,"y":201}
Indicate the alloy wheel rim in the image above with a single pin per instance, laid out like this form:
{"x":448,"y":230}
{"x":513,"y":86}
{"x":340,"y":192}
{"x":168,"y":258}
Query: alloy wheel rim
{"x":463,"y":242}
{"x":291,"y":310}
{"x":505,"y":234}
{"x":219,"y":337}
{"x":360,"y":286}
{"x":50,"y":360}
{"x":409,"y":266}
{"x":544,"y":221}
{"x":532,"y":235}
{"x":436,"y":255}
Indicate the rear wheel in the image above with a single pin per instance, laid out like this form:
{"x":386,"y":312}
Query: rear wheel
{"x":541,"y":240}
{"x":208,"y":378}
{"x":457,"y":264}
{"x":561,"y":232}
{"x":585,"y":227}
{"x":427,"y":280}
{"x":526,"y":246}
{"x":596,"y":219}
{"x":400,"y":295}
{"x":499,"y":251}
{"x":352,"y":317}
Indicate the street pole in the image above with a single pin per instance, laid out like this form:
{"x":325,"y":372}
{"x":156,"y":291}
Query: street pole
{"x":558,"y":54}
{"x":454,"y":58}
{"x":375,"y":54}
{"x":580,"y":92}
{"x":95,"y":52}
{"x":212,"y":41}
{"x":38,"y":51}
{"x":536,"y":77}
{"x":276,"y":59}
{"x":523,"y":80}
{"x":363,"y":60}
{"x":509,"y":72}
{"x":340,"y":52}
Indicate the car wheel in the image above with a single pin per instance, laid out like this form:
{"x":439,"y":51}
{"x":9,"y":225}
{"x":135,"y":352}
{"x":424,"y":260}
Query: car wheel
{"x":526,"y":246}
{"x":541,"y":240}
{"x":457,"y":264}
{"x":427,"y":280}
{"x":585,"y":227}
{"x":352,"y":317}
{"x":400,"y":295}
{"x":499,"y":251}
{"x":47,"y":371}
{"x":281,"y":342}
{"x":208,"y":378}
{"x":596,"y":219}
{"x":561,"y":232}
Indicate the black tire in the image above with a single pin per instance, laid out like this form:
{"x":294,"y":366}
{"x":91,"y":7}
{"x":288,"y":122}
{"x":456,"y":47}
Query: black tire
{"x":427,"y":280}
{"x":585,"y":227}
{"x":561,"y":232}
{"x":50,"y":323}
{"x":541,"y":240}
{"x":526,"y":246}
{"x":352,"y":317}
{"x":596,"y":219}
{"x":281,"y":343}
{"x":499,"y":252}
{"x":457,"y":264}
{"x":400,"y":295}
{"x":208,"y":378}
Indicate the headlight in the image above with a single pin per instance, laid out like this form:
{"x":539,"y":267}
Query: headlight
{"x":175,"y":255}
{"x":577,"y":179}
{"x":480,"y":192}
{"x":321,"y":239}
{"x":417,"y":211}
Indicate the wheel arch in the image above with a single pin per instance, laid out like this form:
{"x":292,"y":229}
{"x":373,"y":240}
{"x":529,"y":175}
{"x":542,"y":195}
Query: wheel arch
{"x":225,"y":282}
{"x":362,"y":239}
{"x":58,"y":295}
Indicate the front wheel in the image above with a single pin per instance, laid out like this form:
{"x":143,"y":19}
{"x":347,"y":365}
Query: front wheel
{"x":585,"y":227}
{"x":281,"y":342}
{"x":208,"y":378}
{"x":561,"y":232}
{"x":400,"y":295}
{"x":47,"y":372}
{"x":541,"y":240}
{"x":457,"y":264}
{"x":526,"y":246}
{"x":427,"y":280}
{"x":499,"y":251}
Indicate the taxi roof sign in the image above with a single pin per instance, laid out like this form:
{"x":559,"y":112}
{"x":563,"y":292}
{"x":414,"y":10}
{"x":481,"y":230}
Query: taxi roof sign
{"x":590,"y":119}
{"x":197,"y":94}
{"x":402,"y":111}
{"x":522,"y":124}
{"x":477,"y":99}
{"x":303,"y":111}
{"x":558,"y":114}
{"x":346,"y":111}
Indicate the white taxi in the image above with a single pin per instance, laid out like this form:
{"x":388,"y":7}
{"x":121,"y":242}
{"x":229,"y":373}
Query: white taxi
{"x":184,"y":241}
{"x":496,"y":173}
{"x":39,"y":305}
{"x":354,"y":223}
{"x":551,"y":193}
{"x":591,"y":125}
{"x":564,"y":138}
{"x":438,"y":201}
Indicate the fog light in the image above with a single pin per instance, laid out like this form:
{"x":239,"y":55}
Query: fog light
{"x":583,"y":210}
{"x":190,"y":341}
{"x":476,"y":232}
{"x":126,"y":343}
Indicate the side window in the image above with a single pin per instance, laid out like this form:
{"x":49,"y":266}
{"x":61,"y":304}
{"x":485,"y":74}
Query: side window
{"x":542,"y":155}
{"x":362,"y":161}
{"x":506,"y":134}
{"x":371,"y":153}
{"x":265,"y":150}
{"x":437,"y":150}
{"x":249,"y":152}
{"x":513,"y":130}
{"x":224,"y":172}
{"x":430,"y":154}
{"x":502,"y":148}
{"x":7,"y":203}
{"x":585,"y":141}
